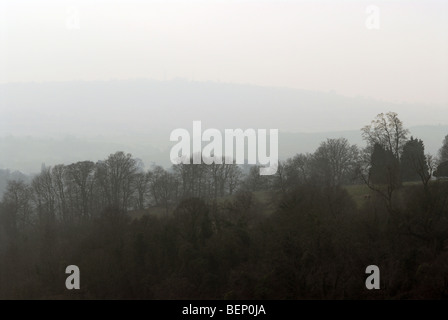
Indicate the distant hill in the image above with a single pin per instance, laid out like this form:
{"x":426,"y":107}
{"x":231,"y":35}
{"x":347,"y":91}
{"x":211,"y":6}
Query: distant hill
{"x":28,"y":153}
{"x":157,"y":107}
{"x":64,"y":122}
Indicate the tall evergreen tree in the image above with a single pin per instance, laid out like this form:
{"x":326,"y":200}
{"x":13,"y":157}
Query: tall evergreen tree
{"x":384,"y":166}
{"x":413,"y":161}
{"x":443,"y":151}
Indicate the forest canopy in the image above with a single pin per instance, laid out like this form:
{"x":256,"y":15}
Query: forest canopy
{"x":223,"y":231}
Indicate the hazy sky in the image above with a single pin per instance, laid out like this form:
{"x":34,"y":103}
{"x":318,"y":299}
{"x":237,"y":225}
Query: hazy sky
{"x":313,"y":45}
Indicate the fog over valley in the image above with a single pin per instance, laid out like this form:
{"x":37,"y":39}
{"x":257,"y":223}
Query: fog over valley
{"x":245,"y":151}
{"x":65,"y":122}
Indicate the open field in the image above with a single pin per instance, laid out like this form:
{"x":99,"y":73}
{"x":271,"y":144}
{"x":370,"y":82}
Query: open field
{"x":358,"y":192}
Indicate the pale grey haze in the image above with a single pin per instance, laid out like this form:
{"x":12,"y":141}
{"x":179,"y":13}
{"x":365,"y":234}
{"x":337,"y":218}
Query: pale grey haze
{"x":311,"y":45}
{"x":61,"y":122}
{"x":82,"y":79}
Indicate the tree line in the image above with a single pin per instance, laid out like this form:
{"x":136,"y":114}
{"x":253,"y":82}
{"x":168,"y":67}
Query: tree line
{"x":216,"y":238}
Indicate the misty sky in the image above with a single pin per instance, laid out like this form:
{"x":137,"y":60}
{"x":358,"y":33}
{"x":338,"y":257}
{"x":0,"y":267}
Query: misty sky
{"x":312,"y":45}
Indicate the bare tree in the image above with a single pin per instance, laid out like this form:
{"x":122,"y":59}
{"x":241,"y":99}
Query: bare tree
{"x":142,"y":180}
{"x":58,"y":175}
{"x":44,"y":196}
{"x":163,"y":187}
{"x":334,"y":162}
{"x":234,"y":177}
{"x":387,"y":131}
{"x":81,"y":179}
{"x":116,"y":177}
{"x":280,"y":179}
{"x":431,"y":164}
{"x":18,"y":196}
{"x":193,"y":179}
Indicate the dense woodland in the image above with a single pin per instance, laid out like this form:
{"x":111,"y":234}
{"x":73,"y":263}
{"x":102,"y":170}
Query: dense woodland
{"x":222,"y":231}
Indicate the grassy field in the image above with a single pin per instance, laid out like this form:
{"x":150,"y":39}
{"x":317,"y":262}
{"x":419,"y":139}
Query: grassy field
{"x":357,"y":192}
